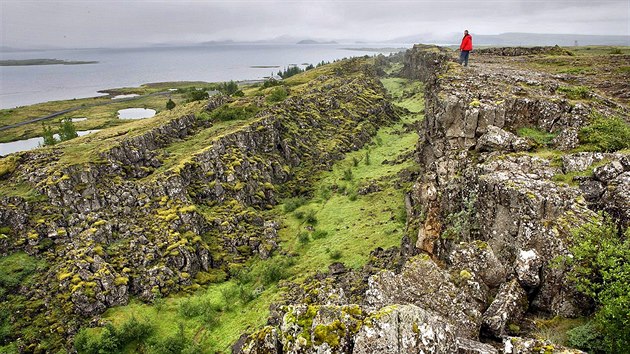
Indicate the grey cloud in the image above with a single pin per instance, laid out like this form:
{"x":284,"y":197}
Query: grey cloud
{"x":125,"y":23}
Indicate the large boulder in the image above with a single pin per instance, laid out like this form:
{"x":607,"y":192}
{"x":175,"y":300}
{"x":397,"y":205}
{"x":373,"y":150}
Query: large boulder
{"x":508,"y":307}
{"x":497,"y":139}
{"x":422,"y":283}
{"x":405,"y":329}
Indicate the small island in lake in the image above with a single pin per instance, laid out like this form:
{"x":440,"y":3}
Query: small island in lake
{"x":26,"y":62}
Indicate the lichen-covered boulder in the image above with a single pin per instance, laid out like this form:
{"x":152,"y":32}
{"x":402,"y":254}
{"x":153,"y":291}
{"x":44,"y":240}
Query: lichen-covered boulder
{"x":497,"y":139}
{"x":405,"y":329}
{"x":508,"y":307}
{"x":467,"y":346}
{"x":528,"y":266}
{"x":422,"y":283}
{"x":518,"y":345}
{"x":478,"y":258}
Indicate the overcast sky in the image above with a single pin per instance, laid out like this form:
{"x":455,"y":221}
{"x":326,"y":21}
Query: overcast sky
{"x":98,"y":23}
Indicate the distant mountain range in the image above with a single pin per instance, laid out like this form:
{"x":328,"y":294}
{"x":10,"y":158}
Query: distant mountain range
{"x":523,"y":39}
{"x":311,"y":41}
{"x":503,"y":39}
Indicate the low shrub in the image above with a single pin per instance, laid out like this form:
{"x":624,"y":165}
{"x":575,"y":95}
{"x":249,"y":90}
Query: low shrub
{"x":8,"y":165}
{"x":275,"y":270}
{"x":319,"y":234}
{"x":335,"y":255}
{"x":246,"y":294}
{"x":310,"y":217}
{"x":228,"y":113}
{"x":586,"y":337}
{"x":616,"y":51}
{"x":575,"y":92}
{"x":112,"y":339}
{"x":293,"y":203}
{"x":540,"y":137}
{"x":278,"y":94}
{"x":607,"y":134}
{"x":303,"y":237}
{"x":599,"y":268}
{"x":347,"y":175}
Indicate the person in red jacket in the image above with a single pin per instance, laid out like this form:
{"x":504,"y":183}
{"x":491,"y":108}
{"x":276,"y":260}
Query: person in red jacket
{"x":465,"y":48}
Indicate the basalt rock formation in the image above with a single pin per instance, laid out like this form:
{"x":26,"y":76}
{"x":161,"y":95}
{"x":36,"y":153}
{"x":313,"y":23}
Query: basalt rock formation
{"x":140,"y":218}
{"x":487,"y":217}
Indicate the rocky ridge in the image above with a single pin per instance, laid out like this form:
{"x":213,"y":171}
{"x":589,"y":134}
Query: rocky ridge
{"x":486,"y":219}
{"x":129,"y":224}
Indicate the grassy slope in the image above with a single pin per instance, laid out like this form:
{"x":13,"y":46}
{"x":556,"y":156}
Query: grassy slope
{"x":99,"y":117}
{"x":354,"y":227}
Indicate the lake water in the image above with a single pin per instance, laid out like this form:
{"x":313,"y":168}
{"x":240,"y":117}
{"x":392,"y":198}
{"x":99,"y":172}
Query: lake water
{"x":136,"y":113}
{"x":24,"y":85}
{"x":29,"y":144}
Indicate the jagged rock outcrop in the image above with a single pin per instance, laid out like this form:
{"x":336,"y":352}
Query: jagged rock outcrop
{"x":488,"y":214}
{"x":474,"y":187}
{"x":520,"y":51}
{"x":133,"y":217}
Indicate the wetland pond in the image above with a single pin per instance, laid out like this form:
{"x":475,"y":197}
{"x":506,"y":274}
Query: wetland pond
{"x":136,"y":113}
{"x":32,"y":143}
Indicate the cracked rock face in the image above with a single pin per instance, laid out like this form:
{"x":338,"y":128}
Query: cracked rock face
{"x":422,"y":283}
{"x":405,"y":329}
{"x":497,"y":139}
{"x":508,"y":307}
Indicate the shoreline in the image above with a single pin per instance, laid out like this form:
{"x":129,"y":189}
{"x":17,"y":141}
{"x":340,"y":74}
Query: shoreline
{"x":36,"y":62}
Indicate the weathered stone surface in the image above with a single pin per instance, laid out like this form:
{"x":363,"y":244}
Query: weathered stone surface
{"x":508,"y":307}
{"x":517,"y":345}
{"x":616,"y":198}
{"x":478,"y":259}
{"x":592,"y":190}
{"x":350,"y":329}
{"x":528,"y":266}
{"x":497,"y":139}
{"x":467,"y":346}
{"x":422,"y":283}
{"x":405,"y":329}
{"x":608,"y":171}
{"x":567,"y":139}
{"x":266,"y":341}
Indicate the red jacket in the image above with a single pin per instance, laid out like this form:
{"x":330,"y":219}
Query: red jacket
{"x":466,"y":43}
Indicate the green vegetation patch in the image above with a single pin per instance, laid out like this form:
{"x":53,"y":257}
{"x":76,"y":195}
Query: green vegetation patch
{"x":607,"y":134}
{"x":207,"y":321}
{"x":540,"y":137}
{"x":575,"y":92}
{"x":233,"y":112}
{"x":599,"y":268}
{"x":8,"y":165}
{"x":338,"y":224}
{"x":407,"y":94}
{"x":16,"y":268}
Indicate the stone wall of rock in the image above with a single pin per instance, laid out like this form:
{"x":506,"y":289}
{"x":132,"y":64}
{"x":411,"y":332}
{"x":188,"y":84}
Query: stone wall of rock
{"x":127,"y":225}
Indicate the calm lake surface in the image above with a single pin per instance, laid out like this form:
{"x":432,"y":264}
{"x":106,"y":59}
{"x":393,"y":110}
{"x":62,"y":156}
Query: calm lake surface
{"x":29,"y":144}
{"x":136,"y":113}
{"x":24,"y":85}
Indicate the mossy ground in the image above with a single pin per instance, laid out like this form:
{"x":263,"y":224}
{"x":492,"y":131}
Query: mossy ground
{"x":355,"y":224}
{"x":343,"y":227}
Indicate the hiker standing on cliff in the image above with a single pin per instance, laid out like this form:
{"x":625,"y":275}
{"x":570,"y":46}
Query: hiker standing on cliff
{"x":465,"y":48}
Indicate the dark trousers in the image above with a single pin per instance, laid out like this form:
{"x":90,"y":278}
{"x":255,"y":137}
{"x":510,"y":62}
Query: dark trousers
{"x":463,"y":57}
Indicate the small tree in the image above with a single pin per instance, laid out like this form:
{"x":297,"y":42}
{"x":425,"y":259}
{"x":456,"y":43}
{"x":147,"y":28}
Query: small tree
{"x":67,"y":130}
{"x":170,"y":104}
{"x":48,"y":135}
{"x":229,"y":88}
